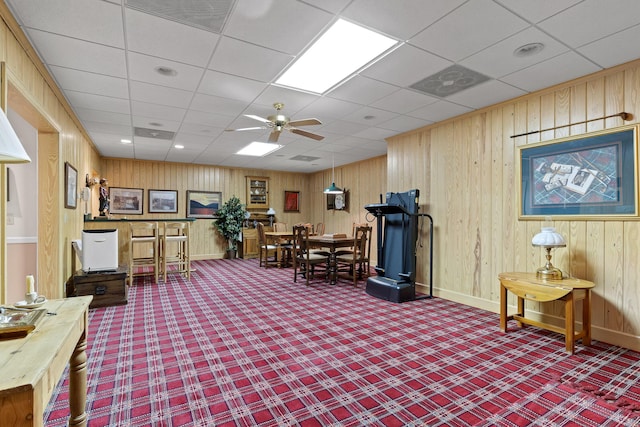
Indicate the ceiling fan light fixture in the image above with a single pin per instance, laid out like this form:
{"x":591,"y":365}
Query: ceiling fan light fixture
{"x":346,"y":46}
{"x":259,"y":149}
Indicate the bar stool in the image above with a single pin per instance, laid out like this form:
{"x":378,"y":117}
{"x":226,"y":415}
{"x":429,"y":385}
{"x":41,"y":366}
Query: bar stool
{"x":175,"y":249}
{"x":143,"y":249}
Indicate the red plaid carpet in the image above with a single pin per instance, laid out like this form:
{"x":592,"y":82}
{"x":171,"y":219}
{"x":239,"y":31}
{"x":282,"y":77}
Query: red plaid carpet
{"x":245,"y":346}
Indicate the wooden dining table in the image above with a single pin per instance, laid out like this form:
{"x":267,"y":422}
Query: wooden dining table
{"x":331,"y":242}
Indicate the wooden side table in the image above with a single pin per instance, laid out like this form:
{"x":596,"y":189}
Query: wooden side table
{"x":526,"y":286}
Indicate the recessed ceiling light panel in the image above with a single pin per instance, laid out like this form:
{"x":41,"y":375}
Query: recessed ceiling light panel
{"x":259,"y":149}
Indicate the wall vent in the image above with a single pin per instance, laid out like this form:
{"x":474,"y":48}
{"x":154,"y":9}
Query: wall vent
{"x":154,"y":133}
{"x":451,"y":80}
{"x":209,"y":15}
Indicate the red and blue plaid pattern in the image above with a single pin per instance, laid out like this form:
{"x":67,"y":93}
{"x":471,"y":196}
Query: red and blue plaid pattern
{"x":241,"y":345}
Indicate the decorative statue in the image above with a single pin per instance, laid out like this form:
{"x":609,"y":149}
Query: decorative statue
{"x":104,"y":197}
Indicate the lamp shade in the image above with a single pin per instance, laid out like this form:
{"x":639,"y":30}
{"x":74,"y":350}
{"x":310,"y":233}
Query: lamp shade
{"x":333,"y":189}
{"x":548,"y":238}
{"x":11,"y":150}
{"x":271,"y":211}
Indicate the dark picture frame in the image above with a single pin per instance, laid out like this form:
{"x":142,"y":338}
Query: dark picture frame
{"x":126,"y":201}
{"x":70,"y":186}
{"x":291,"y":201}
{"x":203,"y":204}
{"x":590,"y":176}
{"x":331,"y":201}
{"x":163,"y":201}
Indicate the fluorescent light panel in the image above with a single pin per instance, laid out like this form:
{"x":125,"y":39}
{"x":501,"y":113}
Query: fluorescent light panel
{"x":259,"y":149}
{"x":342,"y":50}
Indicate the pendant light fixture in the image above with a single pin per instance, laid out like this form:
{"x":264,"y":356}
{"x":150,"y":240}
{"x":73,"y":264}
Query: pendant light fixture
{"x":333,"y":189}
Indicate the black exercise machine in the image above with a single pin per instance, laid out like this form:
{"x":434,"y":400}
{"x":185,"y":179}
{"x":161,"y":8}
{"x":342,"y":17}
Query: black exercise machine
{"x":397,"y":235}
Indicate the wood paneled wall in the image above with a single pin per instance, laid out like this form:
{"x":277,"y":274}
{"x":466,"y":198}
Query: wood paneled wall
{"x":465,"y":168}
{"x":33,"y":95}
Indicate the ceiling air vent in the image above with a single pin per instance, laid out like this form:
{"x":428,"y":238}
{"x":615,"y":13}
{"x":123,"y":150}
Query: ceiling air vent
{"x":209,"y":15}
{"x":449,"y":81}
{"x":154,"y":133}
{"x":304,"y":158}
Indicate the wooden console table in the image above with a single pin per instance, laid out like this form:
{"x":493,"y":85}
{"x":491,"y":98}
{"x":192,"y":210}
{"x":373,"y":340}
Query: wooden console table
{"x":526,"y":286}
{"x":30,"y":367}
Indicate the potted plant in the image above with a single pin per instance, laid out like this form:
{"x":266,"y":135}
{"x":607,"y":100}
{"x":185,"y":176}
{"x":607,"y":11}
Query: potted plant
{"x":229,"y":223}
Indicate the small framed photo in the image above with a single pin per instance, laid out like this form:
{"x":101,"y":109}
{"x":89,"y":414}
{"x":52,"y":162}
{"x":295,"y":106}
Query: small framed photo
{"x":203,"y":204}
{"x":127,"y":201}
{"x":163,"y":201}
{"x":70,"y":186}
{"x":292,"y":201}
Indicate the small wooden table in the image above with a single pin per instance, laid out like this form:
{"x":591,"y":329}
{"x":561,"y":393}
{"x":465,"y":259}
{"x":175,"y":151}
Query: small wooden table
{"x":332,"y":243}
{"x":30,"y":367}
{"x":526,"y":286}
{"x":276,"y":237}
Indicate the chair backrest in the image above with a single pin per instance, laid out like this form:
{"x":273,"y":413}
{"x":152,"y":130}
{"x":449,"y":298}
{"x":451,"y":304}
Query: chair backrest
{"x":175,"y":230}
{"x":143,"y":230}
{"x":301,"y":240}
{"x":279,"y":226}
{"x":262,"y":238}
{"x":319,"y":228}
{"x":361,"y":234}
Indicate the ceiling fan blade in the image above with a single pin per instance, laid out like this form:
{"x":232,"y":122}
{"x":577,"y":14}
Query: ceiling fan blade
{"x":273,"y":137}
{"x":254,"y":128}
{"x":305,"y":122}
{"x":307,"y":134}
{"x":258,"y":118}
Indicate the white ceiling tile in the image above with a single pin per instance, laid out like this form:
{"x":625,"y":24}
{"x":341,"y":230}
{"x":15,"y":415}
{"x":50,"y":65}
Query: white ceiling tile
{"x":499,"y":60}
{"x":248,"y":60}
{"x":399,"y":18}
{"x":287,"y":25}
{"x":201,"y":118}
{"x":423,"y":64}
{"x":78,"y":54}
{"x":150,"y":123}
{"x":325,"y":108}
{"x":469,"y":29}
{"x":403,"y":101}
{"x":536,"y":11}
{"x":403,"y":124}
{"x":182,"y":155}
{"x":333,"y":6}
{"x":362,"y":90}
{"x":95,"y":21}
{"x":98,"y":84}
{"x":438,"y":111}
{"x":228,"y":86}
{"x":97,"y":128}
{"x":556,"y":70}
{"x":218,"y":105}
{"x":162,"y":95}
{"x":157,"y":111}
{"x":98,"y":102}
{"x":116,"y":151}
{"x":143,"y":68}
{"x":151,"y":35}
{"x":92,"y":115}
{"x":293,"y":100}
{"x":199,"y":129}
{"x":140,"y":142}
{"x":613,"y":50}
{"x":487,"y":93}
{"x":370,"y":116}
{"x":591,"y":20}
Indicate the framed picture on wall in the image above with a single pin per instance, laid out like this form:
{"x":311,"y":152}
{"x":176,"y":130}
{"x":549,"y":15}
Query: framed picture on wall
{"x":128,"y":201}
{"x":70,"y":186}
{"x":163,"y":201}
{"x":203,"y":204}
{"x":591,"y":175}
{"x":338,"y":202}
{"x":292,"y":201}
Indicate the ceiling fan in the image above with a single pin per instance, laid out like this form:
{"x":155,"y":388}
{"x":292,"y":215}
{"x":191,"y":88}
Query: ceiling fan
{"x":278,"y":122}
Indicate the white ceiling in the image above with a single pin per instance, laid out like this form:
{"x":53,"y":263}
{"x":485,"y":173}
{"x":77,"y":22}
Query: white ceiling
{"x":103,"y":55}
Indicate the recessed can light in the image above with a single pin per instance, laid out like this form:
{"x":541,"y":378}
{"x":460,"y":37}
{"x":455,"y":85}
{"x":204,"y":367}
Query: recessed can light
{"x":528,"y":49}
{"x":178,"y":146}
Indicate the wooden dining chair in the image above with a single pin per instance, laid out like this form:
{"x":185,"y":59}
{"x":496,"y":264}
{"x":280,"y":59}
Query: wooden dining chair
{"x":265,"y":249}
{"x":354,"y":260}
{"x":286,"y":245}
{"x":319,"y":229}
{"x":306,"y":262}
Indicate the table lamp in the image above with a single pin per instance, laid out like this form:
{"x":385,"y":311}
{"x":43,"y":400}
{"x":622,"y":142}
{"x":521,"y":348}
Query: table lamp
{"x":548,"y":238}
{"x":271,"y":212}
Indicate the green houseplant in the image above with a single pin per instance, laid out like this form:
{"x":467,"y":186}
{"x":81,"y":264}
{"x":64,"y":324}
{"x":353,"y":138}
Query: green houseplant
{"x":229,"y":223}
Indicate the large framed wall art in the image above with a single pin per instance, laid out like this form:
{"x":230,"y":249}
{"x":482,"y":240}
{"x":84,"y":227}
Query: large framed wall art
{"x":592,"y":175}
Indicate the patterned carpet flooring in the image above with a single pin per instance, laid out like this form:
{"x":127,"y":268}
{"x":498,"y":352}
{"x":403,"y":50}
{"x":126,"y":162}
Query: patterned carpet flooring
{"x":241,"y":345}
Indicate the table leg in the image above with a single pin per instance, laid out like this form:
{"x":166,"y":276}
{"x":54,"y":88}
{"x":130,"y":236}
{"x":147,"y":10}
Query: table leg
{"x":78,"y":383}
{"x":569,"y":323}
{"x":503,"y":308}
{"x":521,"y":310}
{"x":333,"y":267}
{"x":586,"y":317}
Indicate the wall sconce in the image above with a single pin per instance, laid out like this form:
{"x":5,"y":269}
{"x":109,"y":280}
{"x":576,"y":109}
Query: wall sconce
{"x":548,"y":238}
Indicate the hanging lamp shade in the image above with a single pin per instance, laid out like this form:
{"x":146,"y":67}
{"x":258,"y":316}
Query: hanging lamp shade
{"x":11,"y":150}
{"x":333,"y":189}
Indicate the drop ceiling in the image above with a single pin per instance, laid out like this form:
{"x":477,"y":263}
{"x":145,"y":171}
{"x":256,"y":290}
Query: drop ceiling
{"x":226,"y":54}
